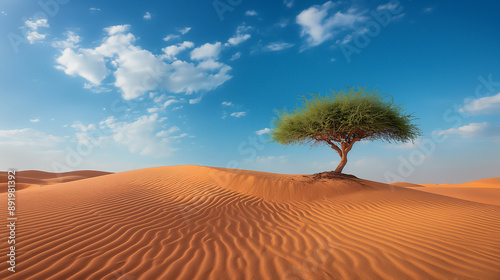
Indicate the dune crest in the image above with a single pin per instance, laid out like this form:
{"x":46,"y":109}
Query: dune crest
{"x":194,"y":222}
{"x":35,"y":178}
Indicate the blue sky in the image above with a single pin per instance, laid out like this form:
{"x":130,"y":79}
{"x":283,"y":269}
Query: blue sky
{"x":121,"y":85}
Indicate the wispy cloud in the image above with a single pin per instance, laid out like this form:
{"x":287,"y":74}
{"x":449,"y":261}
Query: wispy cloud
{"x":483,"y":105}
{"x":473,"y":130}
{"x":35,"y":120}
{"x":263,"y":131}
{"x":289,"y":3}
{"x":227,"y":103}
{"x":278,"y":46}
{"x":32,"y":28}
{"x":240,"y":36}
{"x":320,"y":23}
{"x":147,"y":16}
{"x":251,"y":13}
{"x":238,"y":114}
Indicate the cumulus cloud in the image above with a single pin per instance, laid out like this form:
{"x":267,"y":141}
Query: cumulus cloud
{"x":70,"y":42}
{"x":263,"y":131}
{"x":112,"y":30}
{"x":32,"y":28}
{"x":473,"y":130}
{"x":483,"y":105}
{"x":206,"y":51}
{"x":138,"y":71}
{"x":141,"y":136}
{"x":320,"y":23}
{"x":172,"y":51}
{"x":85,"y":63}
{"x":277,"y":46}
{"x":35,"y":120}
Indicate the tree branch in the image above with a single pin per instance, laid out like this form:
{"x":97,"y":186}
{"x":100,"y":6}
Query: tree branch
{"x":335,"y":147}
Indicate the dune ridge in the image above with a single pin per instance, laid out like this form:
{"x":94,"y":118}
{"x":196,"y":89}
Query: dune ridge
{"x":194,"y":222}
{"x":483,"y":191}
{"x":34,"y":178}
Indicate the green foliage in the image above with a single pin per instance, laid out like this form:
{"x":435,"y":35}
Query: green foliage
{"x":345,"y":117}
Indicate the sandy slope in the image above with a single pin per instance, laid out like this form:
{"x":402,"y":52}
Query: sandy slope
{"x":483,"y":191}
{"x":33,"y":178}
{"x":190,"y":222}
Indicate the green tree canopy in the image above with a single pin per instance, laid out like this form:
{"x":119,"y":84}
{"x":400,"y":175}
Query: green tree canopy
{"x":341,"y":119}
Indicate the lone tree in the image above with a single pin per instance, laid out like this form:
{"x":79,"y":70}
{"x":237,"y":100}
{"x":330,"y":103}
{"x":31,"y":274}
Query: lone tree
{"x":342,"y":119}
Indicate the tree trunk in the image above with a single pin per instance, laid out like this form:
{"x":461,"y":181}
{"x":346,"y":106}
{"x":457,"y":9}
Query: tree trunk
{"x":342,"y":163}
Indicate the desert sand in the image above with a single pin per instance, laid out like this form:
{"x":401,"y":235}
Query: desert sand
{"x":193,"y":222}
{"x":484,"y":191}
{"x":34,"y":178}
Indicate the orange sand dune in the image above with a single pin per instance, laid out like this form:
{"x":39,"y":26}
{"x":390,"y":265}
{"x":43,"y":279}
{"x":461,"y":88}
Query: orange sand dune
{"x":483,"y":191}
{"x":33,"y":178}
{"x":484,"y":183}
{"x":192,"y":222}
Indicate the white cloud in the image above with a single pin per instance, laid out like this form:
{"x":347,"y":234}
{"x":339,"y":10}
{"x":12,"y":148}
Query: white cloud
{"x":483,"y":105}
{"x":140,"y":136}
{"x":240,"y":36}
{"x":169,"y":102}
{"x":165,"y":133}
{"x":277,"y":46}
{"x":147,"y":16}
{"x":174,"y":36}
{"x":28,"y":137}
{"x":32,"y":29}
{"x":321,"y":23}
{"x":95,"y":9}
{"x":206,"y":51}
{"x":138,"y":71}
{"x":4,"y":13}
{"x":251,"y":13}
{"x":227,"y":103}
{"x":483,"y":130}
{"x":171,"y":37}
{"x":113,"y":30}
{"x":35,"y":120}
{"x":185,"y":30}
{"x":238,"y":39}
{"x":238,"y":114}
{"x":95,"y":88}
{"x":86,"y":63}
{"x":263,"y":131}
{"x":288,"y":3}
{"x":195,"y":100}
{"x":71,"y":41}
{"x":235,"y":56}
{"x":172,"y":51}
{"x":388,"y":6}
